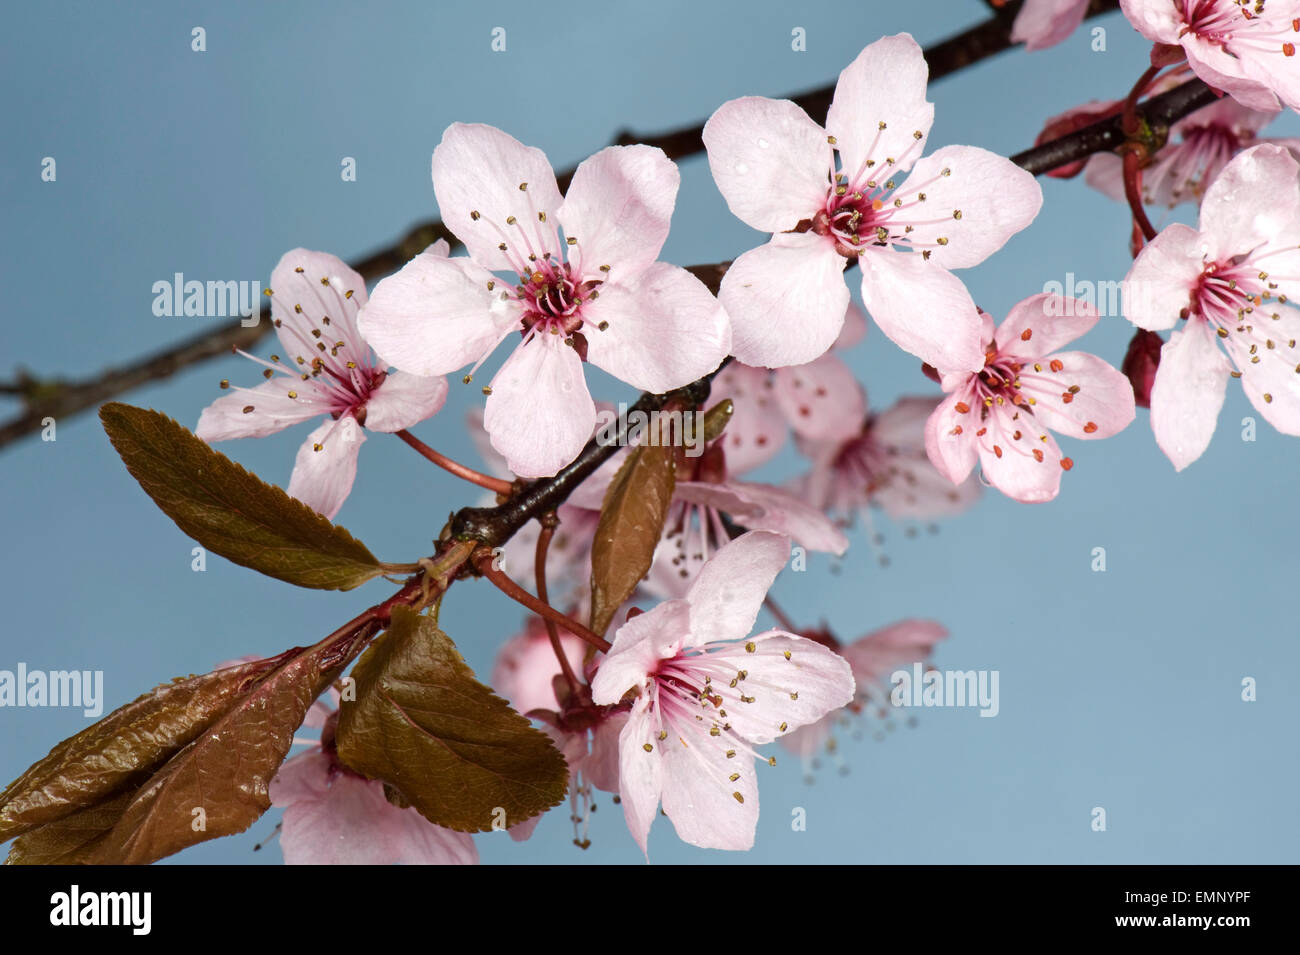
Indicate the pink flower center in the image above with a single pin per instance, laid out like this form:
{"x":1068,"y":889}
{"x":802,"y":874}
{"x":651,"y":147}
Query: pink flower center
{"x":1018,"y":382}
{"x":552,"y":298}
{"x":329,"y":366}
{"x":549,"y":291}
{"x":1235,"y":298}
{"x":867,"y":208}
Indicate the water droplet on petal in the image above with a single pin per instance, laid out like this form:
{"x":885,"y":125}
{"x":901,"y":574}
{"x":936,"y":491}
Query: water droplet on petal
{"x":763,"y":144}
{"x":741,"y":168}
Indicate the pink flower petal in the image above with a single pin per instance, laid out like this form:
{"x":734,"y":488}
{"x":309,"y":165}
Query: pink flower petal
{"x":300,"y":300}
{"x":1044,"y":23}
{"x":1188,"y":393}
{"x":350,"y":822}
{"x":1102,"y":407}
{"x":618,"y":207}
{"x":756,"y":430}
{"x":950,"y":438}
{"x":403,"y":400}
{"x":435,"y":315}
{"x":884,"y":85}
{"x":769,"y":160}
{"x":526,"y":665}
{"x":1010,"y":464}
{"x":1230,"y":73}
{"x":762,"y":507}
{"x":1044,"y":323}
{"x":923,"y":309}
{"x":1163,"y":277}
{"x":665,"y":329}
{"x":539,"y":413}
{"x":271,"y":407}
{"x":879,"y":653}
{"x":786,"y":300}
{"x":699,"y":796}
{"x":305,"y":776}
{"x":638,"y":646}
{"x":1157,"y":20}
{"x":854,"y":329}
{"x":792,"y":681}
{"x":326,"y":465}
{"x":479,"y":169}
{"x":1269,"y":377}
{"x":902,"y":424}
{"x":822,"y":400}
{"x":601,"y":767}
{"x":1105,"y":173}
{"x":1256,"y":199}
{"x":981,"y":201}
{"x":726,"y":596}
{"x":640,"y":772}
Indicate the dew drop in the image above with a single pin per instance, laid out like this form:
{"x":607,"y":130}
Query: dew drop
{"x":763,"y":144}
{"x":741,"y":168}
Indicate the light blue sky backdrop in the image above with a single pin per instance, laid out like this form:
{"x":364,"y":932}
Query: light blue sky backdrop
{"x":1118,"y":689}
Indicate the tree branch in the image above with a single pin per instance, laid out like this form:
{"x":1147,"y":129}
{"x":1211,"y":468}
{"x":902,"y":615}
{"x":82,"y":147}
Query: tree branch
{"x":60,"y":398}
{"x":1156,"y":115}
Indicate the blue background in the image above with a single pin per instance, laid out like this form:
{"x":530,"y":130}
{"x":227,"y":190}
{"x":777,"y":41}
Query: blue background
{"x":1118,"y":689}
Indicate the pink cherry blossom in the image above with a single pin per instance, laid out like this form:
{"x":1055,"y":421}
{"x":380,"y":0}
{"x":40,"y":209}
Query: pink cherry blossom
{"x":872,"y":658}
{"x":594,"y":294}
{"x":333,"y":816}
{"x":1044,"y":23}
{"x":883,"y":464}
{"x":1233,"y":282}
{"x":526,"y":666}
{"x":777,"y":170}
{"x":1200,"y":146}
{"x":1247,"y":48}
{"x":706,"y":696}
{"x":820,"y":400}
{"x":1004,"y":415}
{"x":528,"y":674}
{"x":326,"y":369}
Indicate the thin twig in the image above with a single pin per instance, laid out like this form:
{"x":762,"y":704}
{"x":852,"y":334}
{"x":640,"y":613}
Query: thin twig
{"x":549,"y":522}
{"x":455,"y":467}
{"x":1159,"y":112}
{"x":499,"y":578}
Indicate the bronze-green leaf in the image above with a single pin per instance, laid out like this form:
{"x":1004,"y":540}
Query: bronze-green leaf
{"x":631,"y":522}
{"x":716,"y":419}
{"x":218,"y":784}
{"x":128,"y":743}
{"x":446,"y":743}
{"x":72,"y":839}
{"x":230,"y":511}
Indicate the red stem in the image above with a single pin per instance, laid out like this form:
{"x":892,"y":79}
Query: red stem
{"x":549,"y":521}
{"x":1132,"y":157}
{"x":1133,"y":192}
{"x":545,"y":610}
{"x":455,"y":467}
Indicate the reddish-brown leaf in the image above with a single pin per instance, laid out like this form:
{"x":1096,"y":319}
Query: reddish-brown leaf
{"x":444,"y":742}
